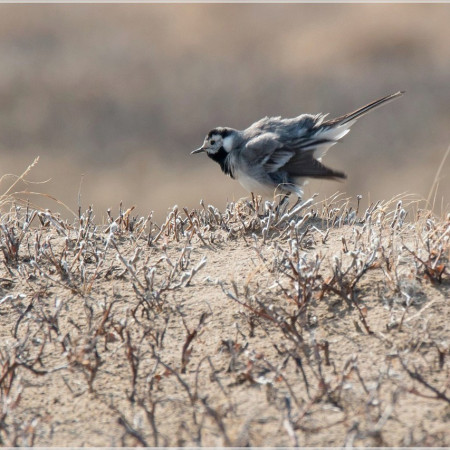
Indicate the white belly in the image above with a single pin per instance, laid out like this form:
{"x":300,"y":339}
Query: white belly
{"x":252,"y":185}
{"x":267,"y":190}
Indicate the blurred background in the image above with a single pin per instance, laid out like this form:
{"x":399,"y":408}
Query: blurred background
{"x":114,"y":97}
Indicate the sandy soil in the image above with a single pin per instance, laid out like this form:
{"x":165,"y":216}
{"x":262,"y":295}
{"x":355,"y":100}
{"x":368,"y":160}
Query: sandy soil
{"x":323,"y":328}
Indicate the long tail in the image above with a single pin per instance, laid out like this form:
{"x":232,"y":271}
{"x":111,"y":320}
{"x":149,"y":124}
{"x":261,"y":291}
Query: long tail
{"x":342,"y":120}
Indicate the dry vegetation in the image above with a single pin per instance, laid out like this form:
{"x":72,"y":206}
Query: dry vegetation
{"x":323,"y":324}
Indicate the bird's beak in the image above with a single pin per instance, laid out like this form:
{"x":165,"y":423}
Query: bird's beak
{"x":199,"y":150}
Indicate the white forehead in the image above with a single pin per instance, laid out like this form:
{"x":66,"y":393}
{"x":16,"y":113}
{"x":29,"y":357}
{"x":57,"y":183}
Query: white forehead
{"x":214,"y":136}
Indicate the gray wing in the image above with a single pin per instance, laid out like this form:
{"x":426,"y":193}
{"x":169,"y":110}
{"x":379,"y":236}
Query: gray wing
{"x":295,"y":157}
{"x":295,"y":146}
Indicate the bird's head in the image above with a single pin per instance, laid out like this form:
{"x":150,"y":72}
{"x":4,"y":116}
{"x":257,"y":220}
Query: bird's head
{"x":218,"y":140}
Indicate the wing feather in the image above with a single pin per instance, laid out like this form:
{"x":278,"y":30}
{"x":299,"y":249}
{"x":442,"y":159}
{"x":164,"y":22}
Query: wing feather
{"x":278,"y":159}
{"x":298,"y":159}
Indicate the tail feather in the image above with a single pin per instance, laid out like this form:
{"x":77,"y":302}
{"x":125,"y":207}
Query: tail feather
{"x":345,"y":119}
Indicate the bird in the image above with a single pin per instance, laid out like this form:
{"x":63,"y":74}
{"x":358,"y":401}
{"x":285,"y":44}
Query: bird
{"x":280,"y":155}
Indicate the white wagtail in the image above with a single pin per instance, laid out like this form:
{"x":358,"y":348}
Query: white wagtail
{"x":276,"y":153}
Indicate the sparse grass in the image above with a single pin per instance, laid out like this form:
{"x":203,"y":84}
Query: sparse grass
{"x":324,"y":324}
{"x":435,"y":186}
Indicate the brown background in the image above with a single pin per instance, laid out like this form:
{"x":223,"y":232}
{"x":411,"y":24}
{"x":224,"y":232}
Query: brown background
{"x":122,"y":93}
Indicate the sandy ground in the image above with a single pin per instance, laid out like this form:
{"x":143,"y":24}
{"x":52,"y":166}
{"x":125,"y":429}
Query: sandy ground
{"x":241,"y":328}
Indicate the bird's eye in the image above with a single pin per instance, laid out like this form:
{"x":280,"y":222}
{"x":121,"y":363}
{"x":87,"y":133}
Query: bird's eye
{"x":212,"y":141}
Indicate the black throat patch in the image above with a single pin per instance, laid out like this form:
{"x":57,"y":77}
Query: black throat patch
{"x":221,"y":158}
